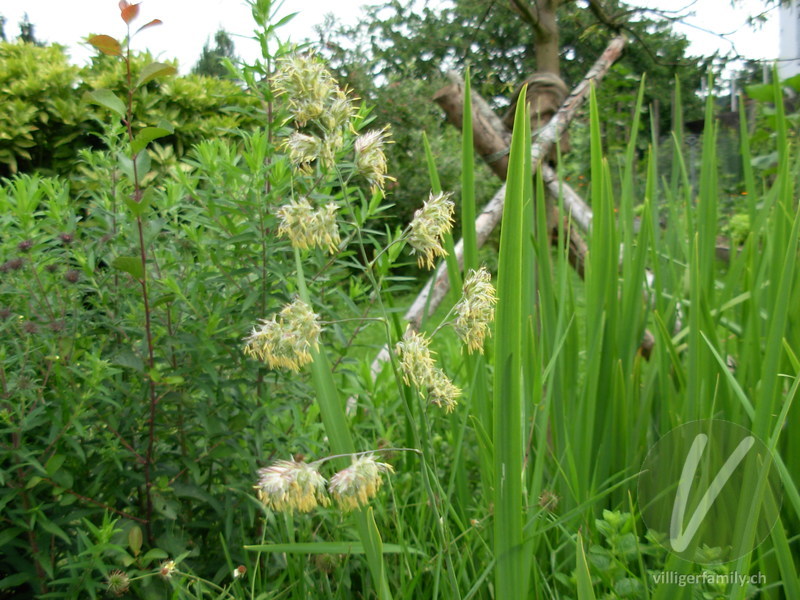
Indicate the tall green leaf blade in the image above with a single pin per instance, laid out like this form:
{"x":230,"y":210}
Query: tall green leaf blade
{"x":332,"y":412}
{"x":582,"y":575}
{"x":510,"y":575}
{"x":468,"y":183}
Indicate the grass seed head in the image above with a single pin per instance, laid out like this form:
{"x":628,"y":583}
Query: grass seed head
{"x":284,"y":340}
{"x":416,"y":361}
{"x":370,"y":158}
{"x":303,"y":150}
{"x":288,"y":485}
{"x":355,"y":485}
{"x":443,"y":392}
{"x":309,"y":227}
{"x":307,"y":84}
{"x":429,"y":226}
{"x":475,"y":310}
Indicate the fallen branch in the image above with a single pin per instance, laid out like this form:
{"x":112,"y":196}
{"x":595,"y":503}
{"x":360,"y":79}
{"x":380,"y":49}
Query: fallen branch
{"x":495,"y":154}
{"x":492,"y":136}
{"x":578,"y":211}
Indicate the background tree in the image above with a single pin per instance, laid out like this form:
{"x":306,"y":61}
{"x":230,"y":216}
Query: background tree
{"x":210,"y":62}
{"x":2,"y":28}
{"x":26,"y":32}
{"x":395,"y":58}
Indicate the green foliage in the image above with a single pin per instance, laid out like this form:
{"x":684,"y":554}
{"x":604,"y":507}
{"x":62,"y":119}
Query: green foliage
{"x":40,"y":123}
{"x":77,"y":369}
{"x":134,"y":426}
{"x":46,"y":122}
{"x":766,"y":124}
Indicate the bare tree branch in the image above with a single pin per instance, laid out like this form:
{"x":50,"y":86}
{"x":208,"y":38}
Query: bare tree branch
{"x":438,"y":285}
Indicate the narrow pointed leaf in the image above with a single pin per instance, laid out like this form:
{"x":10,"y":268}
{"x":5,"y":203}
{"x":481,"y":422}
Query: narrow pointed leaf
{"x":510,"y":573}
{"x":582,"y":575}
{"x":152,"y":23}
{"x":330,"y":548}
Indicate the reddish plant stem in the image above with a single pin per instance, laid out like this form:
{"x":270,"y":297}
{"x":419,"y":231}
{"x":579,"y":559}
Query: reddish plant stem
{"x":151,"y":421}
{"x":26,"y":504}
{"x":148,"y":463}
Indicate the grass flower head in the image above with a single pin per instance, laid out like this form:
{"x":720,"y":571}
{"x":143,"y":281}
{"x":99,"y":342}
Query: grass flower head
{"x":307,"y":84}
{"x":416,"y":361}
{"x":430,"y":224}
{"x":443,"y":392}
{"x":303,"y":150}
{"x":307,"y":227}
{"x":370,"y":158}
{"x":339,"y":111}
{"x":288,"y":485}
{"x":331,"y":145}
{"x":355,"y":485}
{"x":284,"y":340}
{"x":475,"y":310}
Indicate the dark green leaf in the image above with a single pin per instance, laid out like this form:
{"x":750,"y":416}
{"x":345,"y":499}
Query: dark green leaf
{"x":130,"y":264}
{"x":54,"y":463}
{"x":165,"y":299}
{"x":13,"y":581}
{"x":147,"y":135}
{"x":762,"y":92}
{"x":108,"y":99}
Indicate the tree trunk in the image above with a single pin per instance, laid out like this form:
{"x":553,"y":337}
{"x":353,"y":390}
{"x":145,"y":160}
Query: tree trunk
{"x":546,"y":43}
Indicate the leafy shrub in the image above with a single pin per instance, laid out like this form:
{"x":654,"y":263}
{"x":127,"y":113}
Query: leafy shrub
{"x":45,"y":121}
{"x":40,"y":107}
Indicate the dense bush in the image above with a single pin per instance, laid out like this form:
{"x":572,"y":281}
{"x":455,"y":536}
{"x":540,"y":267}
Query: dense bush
{"x":45,"y":121}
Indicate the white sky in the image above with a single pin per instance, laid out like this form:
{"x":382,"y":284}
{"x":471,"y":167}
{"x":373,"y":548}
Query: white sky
{"x":188,"y":24}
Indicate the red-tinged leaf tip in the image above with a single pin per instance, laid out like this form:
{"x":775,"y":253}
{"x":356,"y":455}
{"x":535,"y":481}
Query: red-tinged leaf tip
{"x":106,"y":44}
{"x":123,"y":4}
{"x":152,"y":23}
{"x":130,"y":12}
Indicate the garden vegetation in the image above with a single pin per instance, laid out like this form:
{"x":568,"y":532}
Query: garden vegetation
{"x":196,"y":277}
